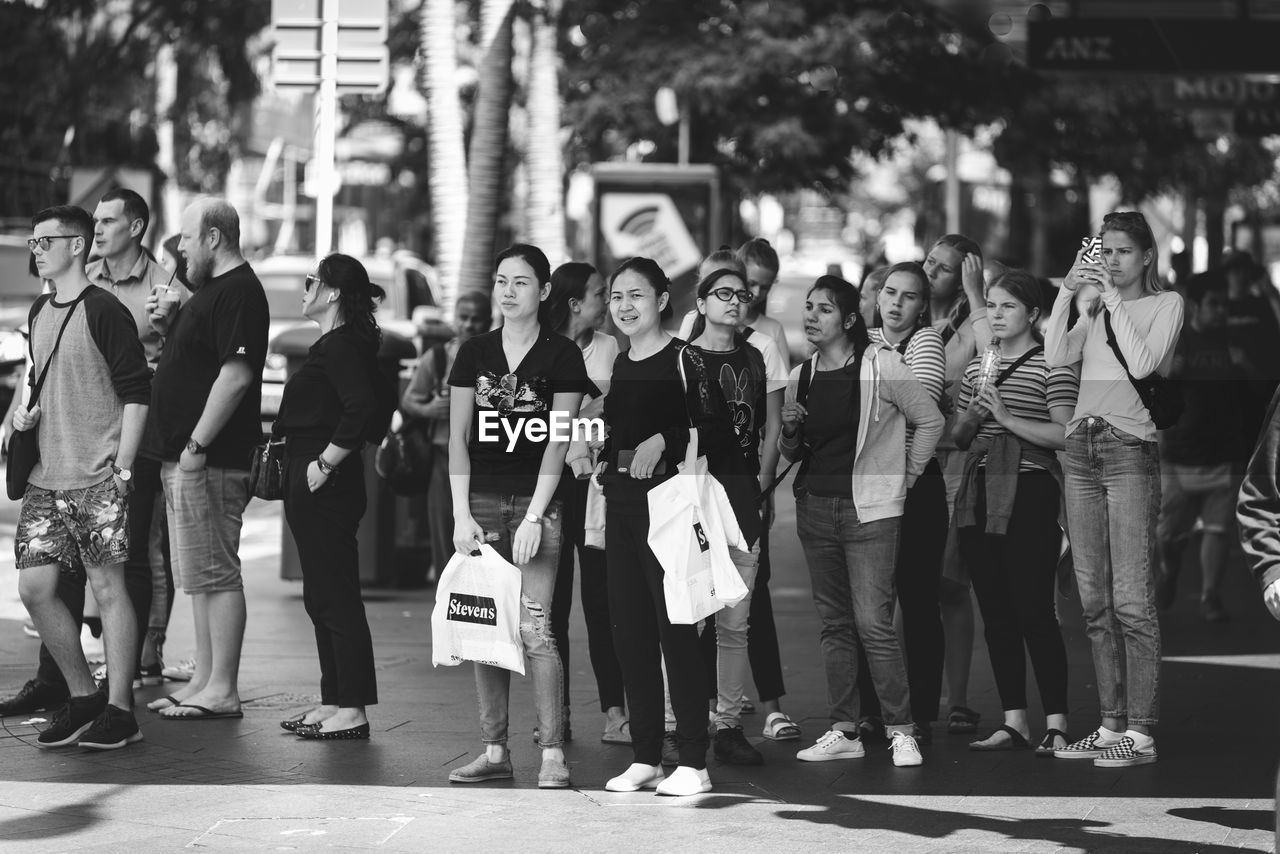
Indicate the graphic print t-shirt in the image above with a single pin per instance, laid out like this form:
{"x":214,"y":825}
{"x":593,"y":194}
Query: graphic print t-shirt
{"x":518,"y":398}
{"x":740,"y":372}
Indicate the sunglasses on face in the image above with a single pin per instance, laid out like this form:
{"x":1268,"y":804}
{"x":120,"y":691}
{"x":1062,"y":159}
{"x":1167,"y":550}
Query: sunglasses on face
{"x":310,"y":281}
{"x":726,"y":294}
{"x":45,"y":242}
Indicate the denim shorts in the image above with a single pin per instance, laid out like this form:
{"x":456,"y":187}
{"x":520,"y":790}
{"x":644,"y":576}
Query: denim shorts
{"x":206,"y":512}
{"x":72,"y":527}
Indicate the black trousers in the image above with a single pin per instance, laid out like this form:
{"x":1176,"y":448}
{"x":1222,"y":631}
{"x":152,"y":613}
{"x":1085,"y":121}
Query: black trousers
{"x":918,"y":579}
{"x":643,"y":637}
{"x":1013,"y":578}
{"x":762,"y":633}
{"x":324,"y":525}
{"x":595,"y":596}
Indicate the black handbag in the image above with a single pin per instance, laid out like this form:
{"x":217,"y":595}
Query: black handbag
{"x":266,"y":470}
{"x":1160,"y":395}
{"x":24,"y":445}
{"x":405,"y":457}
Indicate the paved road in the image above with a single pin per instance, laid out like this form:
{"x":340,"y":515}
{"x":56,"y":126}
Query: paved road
{"x":247,"y":786}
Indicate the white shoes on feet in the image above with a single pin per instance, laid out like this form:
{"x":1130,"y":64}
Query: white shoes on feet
{"x":635,"y":778}
{"x":906,"y":753}
{"x":831,"y":746}
{"x":685,"y":781}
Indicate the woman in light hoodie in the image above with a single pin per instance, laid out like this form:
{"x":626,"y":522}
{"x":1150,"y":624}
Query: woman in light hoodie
{"x":845,"y":415}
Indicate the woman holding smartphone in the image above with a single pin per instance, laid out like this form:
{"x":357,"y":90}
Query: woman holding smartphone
{"x":518,"y":374}
{"x":1113,"y":478}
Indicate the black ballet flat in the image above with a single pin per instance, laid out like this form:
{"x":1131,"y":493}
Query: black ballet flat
{"x":349,"y":734}
{"x":296,"y":724}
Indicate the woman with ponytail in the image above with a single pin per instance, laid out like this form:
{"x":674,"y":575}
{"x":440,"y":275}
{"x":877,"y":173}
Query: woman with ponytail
{"x":337,"y":401}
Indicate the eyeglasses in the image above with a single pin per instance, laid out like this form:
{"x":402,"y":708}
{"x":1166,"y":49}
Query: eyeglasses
{"x":44,"y":242}
{"x":309,"y":281}
{"x":726,"y":294}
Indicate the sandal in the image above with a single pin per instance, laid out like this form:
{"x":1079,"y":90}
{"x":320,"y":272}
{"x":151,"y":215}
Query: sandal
{"x":779,"y":727}
{"x":962,"y":720}
{"x":1016,"y":741}
{"x":620,"y":734}
{"x":1049,"y":743}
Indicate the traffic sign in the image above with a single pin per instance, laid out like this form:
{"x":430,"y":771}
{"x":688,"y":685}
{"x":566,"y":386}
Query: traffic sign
{"x":1168,"y":46}
{"x":363,"y":62}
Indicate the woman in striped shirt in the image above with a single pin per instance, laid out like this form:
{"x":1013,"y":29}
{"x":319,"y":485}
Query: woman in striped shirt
{"x":1007,"y":510}
{"x":903,"y":323}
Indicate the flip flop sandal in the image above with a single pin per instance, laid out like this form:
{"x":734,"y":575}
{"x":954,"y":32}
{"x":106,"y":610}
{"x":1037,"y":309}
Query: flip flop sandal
{"x":169,"y":698}
{"x":1047,"y":744}
{"x":779,"y":727}
{"x":620,"y":735}
{"x":202,"y":714}
{"x":962,"y":720}
{"x":1015,"y":742}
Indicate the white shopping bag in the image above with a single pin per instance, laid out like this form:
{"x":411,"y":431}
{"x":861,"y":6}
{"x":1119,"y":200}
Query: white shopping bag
{"x":691,"y":528}
{"x":477,"y":613}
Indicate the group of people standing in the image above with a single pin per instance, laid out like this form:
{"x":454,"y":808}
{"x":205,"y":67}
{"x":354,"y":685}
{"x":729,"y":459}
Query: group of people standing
{"x":939,"y":440}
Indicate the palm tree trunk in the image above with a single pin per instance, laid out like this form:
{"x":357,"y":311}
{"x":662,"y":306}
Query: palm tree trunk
{"x":447,"y":159}
{"x":544,"y":211}
{"x":488,"y":145}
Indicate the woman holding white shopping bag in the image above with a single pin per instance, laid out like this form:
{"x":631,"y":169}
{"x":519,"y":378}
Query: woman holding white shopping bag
{"x":650,"y":414}
{"x":846,"y":414}
{"x":503,"y":471}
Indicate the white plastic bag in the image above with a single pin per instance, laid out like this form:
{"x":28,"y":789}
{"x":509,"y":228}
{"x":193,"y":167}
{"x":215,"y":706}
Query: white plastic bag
{"x":477,"y":613}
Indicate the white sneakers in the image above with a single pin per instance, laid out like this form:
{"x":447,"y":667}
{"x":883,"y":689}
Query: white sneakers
{"x":834,"y":745}
{"x":685,"y":781}
{"x":831,"y":746}
{"x":635,"y":778}
{"x":906,"y":753}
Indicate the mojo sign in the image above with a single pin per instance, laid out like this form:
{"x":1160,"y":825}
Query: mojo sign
{"x":1250,"y":106}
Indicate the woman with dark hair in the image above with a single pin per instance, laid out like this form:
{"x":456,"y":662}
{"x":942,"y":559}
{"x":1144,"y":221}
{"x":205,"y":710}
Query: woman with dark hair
{"x":955,"y":269}
{"x":846,"y":416}
{"x":336,"y":401}
{"x":660,"y":391}
{"x":1007,"y":511}
{"x":1113,"y":478}
{"x":509,"y":382}
{"x":903,"y":323}
{"x":576,"y":309}
{"x":426,"y":401}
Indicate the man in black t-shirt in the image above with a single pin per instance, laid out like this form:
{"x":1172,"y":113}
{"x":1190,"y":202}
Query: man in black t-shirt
{"x":204,"y":424}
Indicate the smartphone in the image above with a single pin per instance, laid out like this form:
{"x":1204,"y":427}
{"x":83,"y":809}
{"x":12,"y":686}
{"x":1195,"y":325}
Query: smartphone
{"x":624,"y":464}
{"x":1092,"y":249}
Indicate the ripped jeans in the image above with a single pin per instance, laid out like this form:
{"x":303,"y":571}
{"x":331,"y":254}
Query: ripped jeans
{"x":501,"y":515}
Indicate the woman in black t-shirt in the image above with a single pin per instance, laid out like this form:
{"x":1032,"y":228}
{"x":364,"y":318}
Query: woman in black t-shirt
{"x":650,"y":412}
{"x":335,"y":403}
{"x":510,"y":388}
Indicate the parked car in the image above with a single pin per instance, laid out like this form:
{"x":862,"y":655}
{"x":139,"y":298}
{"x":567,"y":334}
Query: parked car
{"x":410,"y":313}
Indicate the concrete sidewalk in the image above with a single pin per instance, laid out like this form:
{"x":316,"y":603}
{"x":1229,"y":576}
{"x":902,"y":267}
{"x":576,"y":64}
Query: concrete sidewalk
{"x":245,"y":785}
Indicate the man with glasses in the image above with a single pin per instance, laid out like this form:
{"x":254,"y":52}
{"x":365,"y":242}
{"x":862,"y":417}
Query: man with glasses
{"x":89,"y":418}
{"x":205,"y":423}
{"x":122,"y":266}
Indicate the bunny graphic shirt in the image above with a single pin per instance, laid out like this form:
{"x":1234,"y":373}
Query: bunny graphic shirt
{"x":741,"y":374}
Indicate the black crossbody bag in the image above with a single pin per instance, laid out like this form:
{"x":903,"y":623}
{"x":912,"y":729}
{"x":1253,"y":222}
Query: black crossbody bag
{"x":1160,"y":395}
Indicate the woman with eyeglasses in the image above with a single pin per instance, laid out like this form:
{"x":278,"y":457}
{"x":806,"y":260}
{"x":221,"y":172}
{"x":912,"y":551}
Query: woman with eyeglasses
{"x":754,"y":398}
{"x":576,"y":309}
{"x":846,"y":416}
{"x":903,"y":323}
{"x":954,"y":266}
{"x":1007,"y":512}
{"x":1112,"y":472}
{"x":509,"y":382}
{"x":337,"y":401}
{"x":660,"y":390}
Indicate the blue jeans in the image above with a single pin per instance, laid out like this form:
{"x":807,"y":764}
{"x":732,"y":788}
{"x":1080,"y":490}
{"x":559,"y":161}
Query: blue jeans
{"x":852,"y":566}
{"x":1113,"y":500}
{"x":501,"y":515}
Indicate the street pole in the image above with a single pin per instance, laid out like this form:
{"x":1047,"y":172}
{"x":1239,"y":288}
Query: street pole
{"x":952,"y":198}
{"x":682,"y":145}
{"x":326,"y":129}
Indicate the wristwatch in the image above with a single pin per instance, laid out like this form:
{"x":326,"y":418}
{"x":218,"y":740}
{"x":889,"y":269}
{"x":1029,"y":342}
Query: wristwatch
{"x":124,"y":474}
{"x":195,"y":447}
{"x":325,"y":467}
{"x":530,"y":517}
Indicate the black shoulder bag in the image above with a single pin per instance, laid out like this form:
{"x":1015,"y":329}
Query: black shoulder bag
{"x":1160,"y":395}
{"x":24,"y":445}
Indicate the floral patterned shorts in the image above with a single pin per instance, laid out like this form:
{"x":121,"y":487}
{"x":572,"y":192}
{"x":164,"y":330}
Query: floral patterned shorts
{"x":72,"y":526}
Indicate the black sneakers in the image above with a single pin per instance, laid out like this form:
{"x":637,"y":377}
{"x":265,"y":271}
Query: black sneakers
{"x":111,"y":730}
{"x":732,"y":748}
{"x":73,"y":718}
{"x":35,"y":696}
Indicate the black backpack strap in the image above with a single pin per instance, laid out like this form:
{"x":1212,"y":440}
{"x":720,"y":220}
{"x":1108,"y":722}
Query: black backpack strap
{"x":1022,"y":360}
{"x":802,"y":395}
